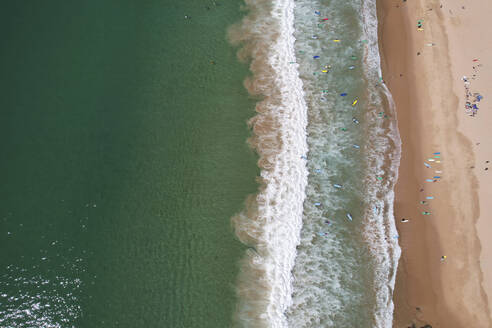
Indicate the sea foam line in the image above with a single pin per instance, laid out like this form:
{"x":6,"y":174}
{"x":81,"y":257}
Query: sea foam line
{"x":272,"y":219}
{"x":380,"y":228}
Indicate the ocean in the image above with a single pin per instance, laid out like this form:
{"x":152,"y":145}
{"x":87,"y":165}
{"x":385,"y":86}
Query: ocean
{"x":195,"y":163}
{"x":124,"y":156}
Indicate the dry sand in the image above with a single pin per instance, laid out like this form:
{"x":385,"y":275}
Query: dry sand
{"x":429,"y":94}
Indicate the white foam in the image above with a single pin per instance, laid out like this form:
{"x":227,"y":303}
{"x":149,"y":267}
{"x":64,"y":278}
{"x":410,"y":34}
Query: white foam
{"x":272,"y":220}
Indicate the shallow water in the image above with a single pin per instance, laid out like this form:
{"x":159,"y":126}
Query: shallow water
{"x":345,"y":269}
{"x":347,"y":251}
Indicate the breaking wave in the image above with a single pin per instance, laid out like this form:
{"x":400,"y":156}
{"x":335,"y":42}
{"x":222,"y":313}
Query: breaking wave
{"x":271,"y":221}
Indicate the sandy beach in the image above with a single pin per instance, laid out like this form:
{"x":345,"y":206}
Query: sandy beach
{"x":437,"y":56}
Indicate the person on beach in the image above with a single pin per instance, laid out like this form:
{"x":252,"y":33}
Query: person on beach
{"x":404,"y":220}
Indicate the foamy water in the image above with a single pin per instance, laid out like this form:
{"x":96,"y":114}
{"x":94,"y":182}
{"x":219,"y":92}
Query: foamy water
{"x":347,"y":252}
{"x":272,"y":220}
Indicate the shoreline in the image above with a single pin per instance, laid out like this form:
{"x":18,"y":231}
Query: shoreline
{"x":423,"y":82}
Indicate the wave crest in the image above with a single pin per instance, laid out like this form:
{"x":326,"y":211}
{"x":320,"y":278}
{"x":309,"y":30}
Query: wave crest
{"x":272,"y":219}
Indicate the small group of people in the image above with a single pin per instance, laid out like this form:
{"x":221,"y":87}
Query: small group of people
{"x":472,"y":98}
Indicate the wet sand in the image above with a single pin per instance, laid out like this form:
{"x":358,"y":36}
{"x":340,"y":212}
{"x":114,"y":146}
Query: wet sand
{"x":424,"y":70}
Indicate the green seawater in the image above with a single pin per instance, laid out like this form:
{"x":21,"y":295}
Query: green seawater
{"x":123,"y":157}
